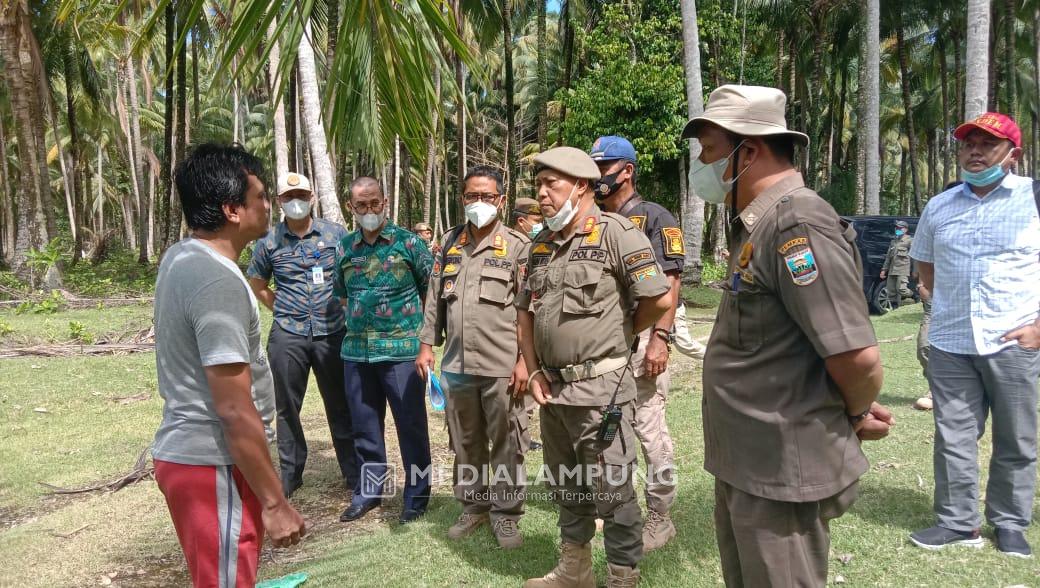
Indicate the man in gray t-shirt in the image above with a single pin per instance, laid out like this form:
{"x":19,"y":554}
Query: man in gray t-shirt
{"x":212,"y":461}
{"x":207,"y":316}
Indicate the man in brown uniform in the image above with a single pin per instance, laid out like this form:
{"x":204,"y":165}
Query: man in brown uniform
{"x":469,"y":309}
{"x":792,"y":367}
{"x":527,"y":217}
{"x":616,"y":192}
{"x":592,"y":284}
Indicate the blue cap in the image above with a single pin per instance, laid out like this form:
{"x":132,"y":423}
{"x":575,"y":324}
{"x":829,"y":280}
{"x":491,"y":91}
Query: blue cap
{"x":611,"y":148}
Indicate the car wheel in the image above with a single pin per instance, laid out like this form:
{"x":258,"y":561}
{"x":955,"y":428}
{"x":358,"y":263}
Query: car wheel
{"x":879,"y":301}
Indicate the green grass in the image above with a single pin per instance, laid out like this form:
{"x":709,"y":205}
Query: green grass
{"x":87,"y":436}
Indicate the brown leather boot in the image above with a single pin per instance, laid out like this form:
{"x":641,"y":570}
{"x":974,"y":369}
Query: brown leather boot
{"x":622,"y":576}
{"x":658,"y":530}
{"x":573,"y":571}
{"x":507,"y":533}
{"x":466,"y":524}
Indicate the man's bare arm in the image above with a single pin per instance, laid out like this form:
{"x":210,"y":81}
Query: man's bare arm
{"x":231,"y":387}
{"x":926,"y":271}
{"x":262,"y":290}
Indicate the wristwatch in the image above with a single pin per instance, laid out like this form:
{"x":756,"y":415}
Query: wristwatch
{"x":858,"y":417}
{"x":665,"y":334}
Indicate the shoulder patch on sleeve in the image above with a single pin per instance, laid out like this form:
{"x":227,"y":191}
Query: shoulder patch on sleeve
{"x":673,"y":241}
{"x":801,"y":264}
{"x":643,"y":273}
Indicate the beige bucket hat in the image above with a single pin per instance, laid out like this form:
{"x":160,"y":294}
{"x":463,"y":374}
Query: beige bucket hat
{"x":749,"y":111}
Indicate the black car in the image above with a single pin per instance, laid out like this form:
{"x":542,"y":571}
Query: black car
{"x":873,"y":236}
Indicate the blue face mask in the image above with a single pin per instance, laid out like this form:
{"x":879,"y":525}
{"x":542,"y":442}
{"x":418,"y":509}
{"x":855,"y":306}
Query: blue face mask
{"x":986,"y":177}
{"x":899,"y":232}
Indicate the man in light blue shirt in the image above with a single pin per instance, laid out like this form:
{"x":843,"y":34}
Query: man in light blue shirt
{"x":978,"y":251}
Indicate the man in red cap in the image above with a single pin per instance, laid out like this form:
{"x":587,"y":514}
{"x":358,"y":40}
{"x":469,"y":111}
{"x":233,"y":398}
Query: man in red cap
{"x":978,"y":251}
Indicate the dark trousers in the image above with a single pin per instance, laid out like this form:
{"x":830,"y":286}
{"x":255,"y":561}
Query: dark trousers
{"x":370,"y":387}
{"x":766,"y":542}
{"x":292,"y":357}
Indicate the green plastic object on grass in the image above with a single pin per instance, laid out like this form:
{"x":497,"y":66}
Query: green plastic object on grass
{"x":290,"y":581}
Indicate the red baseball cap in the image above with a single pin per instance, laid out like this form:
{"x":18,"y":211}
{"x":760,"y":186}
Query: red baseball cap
{"x":994,"y":123}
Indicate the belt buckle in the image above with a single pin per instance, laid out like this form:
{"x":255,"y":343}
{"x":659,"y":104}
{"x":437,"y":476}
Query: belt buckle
{"x":590,"y":368}
{"x":568,"y":374}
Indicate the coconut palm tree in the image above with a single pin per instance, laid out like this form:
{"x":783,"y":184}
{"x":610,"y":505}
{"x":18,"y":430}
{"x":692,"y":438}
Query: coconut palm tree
{"x":976,"y":86}
{"x":692,"y":209}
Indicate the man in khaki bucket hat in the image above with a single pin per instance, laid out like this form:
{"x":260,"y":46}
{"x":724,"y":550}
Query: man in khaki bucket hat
{"x":792,"y":368}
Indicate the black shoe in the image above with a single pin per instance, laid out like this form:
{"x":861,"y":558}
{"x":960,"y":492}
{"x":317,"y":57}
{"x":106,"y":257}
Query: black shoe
{"x":291,"y":487}
{"x":356,"y":510}
{"x":1013,"y":543}
{"x":534,"y":446}
{"x":935,"y":538}
{"x":409,"y":516}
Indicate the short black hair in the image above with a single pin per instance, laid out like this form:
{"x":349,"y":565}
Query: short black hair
{"x":485,"y":171}
{"x":781,"y":146}
{"x":211,"y":176}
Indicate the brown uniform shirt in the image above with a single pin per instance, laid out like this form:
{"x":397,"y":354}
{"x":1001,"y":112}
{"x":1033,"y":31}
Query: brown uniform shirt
{"x":581,"y":291}
{"x":897,"y":260}
{"x":470,"y":302}
{"x":775,"y":424}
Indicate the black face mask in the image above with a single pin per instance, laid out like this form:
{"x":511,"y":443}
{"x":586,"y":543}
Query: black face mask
{"x":608,"y":185}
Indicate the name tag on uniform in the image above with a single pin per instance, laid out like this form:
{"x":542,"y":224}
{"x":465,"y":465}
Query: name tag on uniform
{"x":317,"y":275}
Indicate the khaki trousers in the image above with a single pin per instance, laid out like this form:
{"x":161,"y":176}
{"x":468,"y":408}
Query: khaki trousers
{"x":603,"y":487}
{"x":652,"y":429}
{"x":485,"y":431}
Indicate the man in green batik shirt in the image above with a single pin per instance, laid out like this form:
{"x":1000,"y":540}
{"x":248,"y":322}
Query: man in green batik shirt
{"x":381,"y":275}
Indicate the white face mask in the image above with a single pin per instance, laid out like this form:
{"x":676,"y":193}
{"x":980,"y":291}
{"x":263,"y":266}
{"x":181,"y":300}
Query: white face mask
{"x":709,"y":185}
{"x":481,"y":214}
{"x":370,"y":221}
{"x":296,"y":208}
{"x":563,"y":215}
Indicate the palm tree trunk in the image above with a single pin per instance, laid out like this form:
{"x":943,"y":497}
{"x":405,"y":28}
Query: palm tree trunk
{"x":692,"y":207}
{"x":323,"y":177}
{"x":976,"y":85}
{"x":167,"y":204}
{"x":566,"y":20}
{"x":138,"y":162}
{"x":543,"y":80}
{"x":908,"y":114}
{"x":1036,"y":76}
{"x":20,"y":71}
{"x":460,"y":113}
{"x":281,"y":148}
{"x":944,"y":93}
{"x":7,"y":235}
{"x":181,"y":136}
{"x":397,"y":178}
{"x":431,"y":148}
{"x":868,"y":121}
{"x":1010,"y":71}
{"x":507,"y":54}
